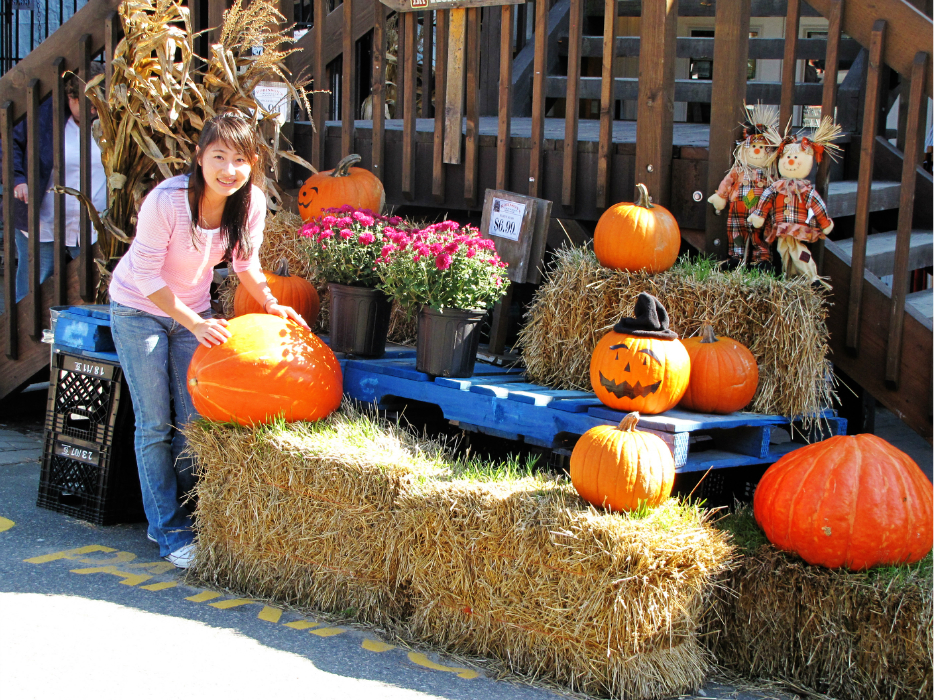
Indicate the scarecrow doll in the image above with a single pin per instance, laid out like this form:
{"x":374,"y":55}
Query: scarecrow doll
{"x":790,"y":210}
{"x":752,"y":172}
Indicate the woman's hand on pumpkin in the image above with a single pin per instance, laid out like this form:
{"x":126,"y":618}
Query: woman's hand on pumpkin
{"x":211,"y":331}
{"x":286,"y":312}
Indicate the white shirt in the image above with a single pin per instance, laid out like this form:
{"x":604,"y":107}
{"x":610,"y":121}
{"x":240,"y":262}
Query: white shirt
{"x":73,"y":180}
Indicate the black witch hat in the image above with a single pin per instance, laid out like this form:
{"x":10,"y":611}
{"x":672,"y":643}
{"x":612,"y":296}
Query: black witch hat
{"x":651,"y":320}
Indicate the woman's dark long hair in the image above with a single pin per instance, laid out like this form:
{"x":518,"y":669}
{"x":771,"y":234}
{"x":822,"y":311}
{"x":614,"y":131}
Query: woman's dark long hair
{"x":237,"y":134}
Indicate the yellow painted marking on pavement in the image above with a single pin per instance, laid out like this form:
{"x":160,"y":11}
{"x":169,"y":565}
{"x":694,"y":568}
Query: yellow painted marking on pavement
{"x":203,"y":596}
{"x":423,"y":660}
{"x":231,"y":603}
{"x":128,"y":578}
{"x":6,"y":524}
{"x":301,"y":624}
{"x":159,"y":586}
{"x":68,"y":554}
{"x":153,"y":567}
{"x":270,"y":614}
{"x":327,"y":631}
{"x":117,"y":558}
{"x":377,"y":646}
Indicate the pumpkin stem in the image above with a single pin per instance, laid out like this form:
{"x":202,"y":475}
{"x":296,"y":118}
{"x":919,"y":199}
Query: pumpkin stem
{"x":707,"y":334}
{"x":629,"y":421}
{"x":343,"y":168}
{"x":643,"y":199}
{"x":283,"y":269}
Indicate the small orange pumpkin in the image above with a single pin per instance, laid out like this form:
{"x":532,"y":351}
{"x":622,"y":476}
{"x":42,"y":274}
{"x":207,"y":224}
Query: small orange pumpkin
{"x":639,"y":236}
{"x":619,"y":467}
{"x":330,"y":189}
{"x":724,"y":374}
{"x":268,"y":367}
{"x":296,"y":292}
{"x":630,"y":373}
{"x":852,"y":500}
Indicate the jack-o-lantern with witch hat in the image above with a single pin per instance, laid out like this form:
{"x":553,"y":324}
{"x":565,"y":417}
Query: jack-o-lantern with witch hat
{"x":641,"y":365}
{"x":790,"y":208}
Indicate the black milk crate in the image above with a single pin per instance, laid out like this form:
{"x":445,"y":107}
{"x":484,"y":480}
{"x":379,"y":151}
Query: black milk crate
{"x":89,"y":462}
{"x":86,"y":397}
{"x":90,"y":482}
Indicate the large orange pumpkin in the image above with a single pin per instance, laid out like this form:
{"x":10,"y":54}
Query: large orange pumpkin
{"x":330,"y":189}
{"x":639,"y":236}
{"x":269,"y":367}
{"x":296,"y":292}
{"x":849,"y":501}
{"x":724,"y":374}
{"x":619,"y":467}
{"x":630,"y":373}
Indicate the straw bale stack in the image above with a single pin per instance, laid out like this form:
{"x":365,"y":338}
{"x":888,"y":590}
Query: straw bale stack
{"x":853,"y":636}
{"x":781,"y":321}
{"x":529,"y":574}
{"x":351,"y":513}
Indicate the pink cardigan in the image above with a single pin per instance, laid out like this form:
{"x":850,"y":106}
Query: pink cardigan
{"x":163,"y":253}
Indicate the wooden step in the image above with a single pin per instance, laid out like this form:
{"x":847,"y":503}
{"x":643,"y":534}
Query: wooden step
{"x":702,"y":47}
{"x":923,"y":301}
{"x":880,"y":251}
{"x":685,"y":90}
{"x":841,"y":197}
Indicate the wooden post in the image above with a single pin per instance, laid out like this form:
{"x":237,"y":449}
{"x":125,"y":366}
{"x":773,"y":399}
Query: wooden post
{"x":472,"y":141}
{"x":864,"y":182}
{"x":504,"y":132}
{"x":454,"y":86}
{"x":216,"y":10}
{"x":428,"y":34}
{"x":378,"y":90}
{"x":9,"y":244}
{"x":572,"y":107}
{"x":829,"y":101}
{"x":86,"y":268}
{"x":113,"y":30}
{"x":409,"y":22}
{"x":58,"y":178}
{"x":540,"y":64}
{"x":348,"y":82}
{"x":914,"y":135}
{"x":730,"y":55}
{"x":789,"y":64}
{"x":321,"y":97}
{"x":657,"y":54}
{"x":33,"y":161}
{"x":437,"y":161}
{"x":607,"y":101}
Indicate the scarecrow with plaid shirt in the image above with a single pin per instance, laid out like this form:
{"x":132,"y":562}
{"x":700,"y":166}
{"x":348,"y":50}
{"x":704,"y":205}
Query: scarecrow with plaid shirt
{"x":790,"y":209}
{"x":752,"y":172}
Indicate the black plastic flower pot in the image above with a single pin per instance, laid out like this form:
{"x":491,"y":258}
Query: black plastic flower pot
{"x":448,"y":341}
{"x":359,"y":320}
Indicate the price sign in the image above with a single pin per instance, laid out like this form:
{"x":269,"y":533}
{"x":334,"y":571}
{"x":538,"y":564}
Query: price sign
{"x":506,"y":218}
{"x":275,"y":98}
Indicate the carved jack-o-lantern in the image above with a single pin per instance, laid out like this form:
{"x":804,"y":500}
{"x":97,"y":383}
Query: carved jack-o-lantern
{"x":629,"y":373}
{"x":332,"y":189}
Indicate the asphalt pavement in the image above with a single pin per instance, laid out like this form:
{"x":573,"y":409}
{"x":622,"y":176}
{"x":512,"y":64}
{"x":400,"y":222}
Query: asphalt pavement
{"x":92,"y":612}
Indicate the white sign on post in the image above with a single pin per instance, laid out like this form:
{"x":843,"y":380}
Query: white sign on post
{"x":506,"y":219}
{"x":275,"y":98}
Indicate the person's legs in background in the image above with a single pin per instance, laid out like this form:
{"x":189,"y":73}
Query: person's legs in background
{"x":46,"y":263}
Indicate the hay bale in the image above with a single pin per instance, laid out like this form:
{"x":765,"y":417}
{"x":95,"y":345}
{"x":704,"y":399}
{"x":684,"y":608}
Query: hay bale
{"x":781,"y":321}
{"x":299,"y":512}
{"x":352,"y":513}
{"x":853,"y":636}
{"x":526,"y":572}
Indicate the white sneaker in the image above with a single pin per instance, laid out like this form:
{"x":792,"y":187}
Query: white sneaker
{"x":183,"y":557}
{"x":151,"y":538}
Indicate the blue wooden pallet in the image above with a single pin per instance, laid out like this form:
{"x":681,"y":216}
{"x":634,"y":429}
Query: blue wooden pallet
{"x":500,"y":402}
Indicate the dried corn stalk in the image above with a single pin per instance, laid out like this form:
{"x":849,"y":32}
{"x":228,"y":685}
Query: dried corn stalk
{"x":162,"y":92}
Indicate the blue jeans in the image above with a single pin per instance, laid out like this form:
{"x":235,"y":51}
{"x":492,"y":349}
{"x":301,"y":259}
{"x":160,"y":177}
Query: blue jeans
{"x":155,"y":352}
{"x":46,"y":261}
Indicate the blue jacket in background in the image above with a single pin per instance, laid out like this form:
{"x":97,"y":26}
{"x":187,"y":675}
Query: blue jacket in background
{"x":20,"y":210}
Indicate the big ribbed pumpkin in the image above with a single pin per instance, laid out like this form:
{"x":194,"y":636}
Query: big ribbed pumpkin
{"x":331,"y":189}
{"x":268,"y":367}
{"x":630,"y":373}
{"x":724,"y":374}
{"x":296,"y":292}
{"x":848,"y":501}
{"x":619,"y":467}
{"x":639,"y":236}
